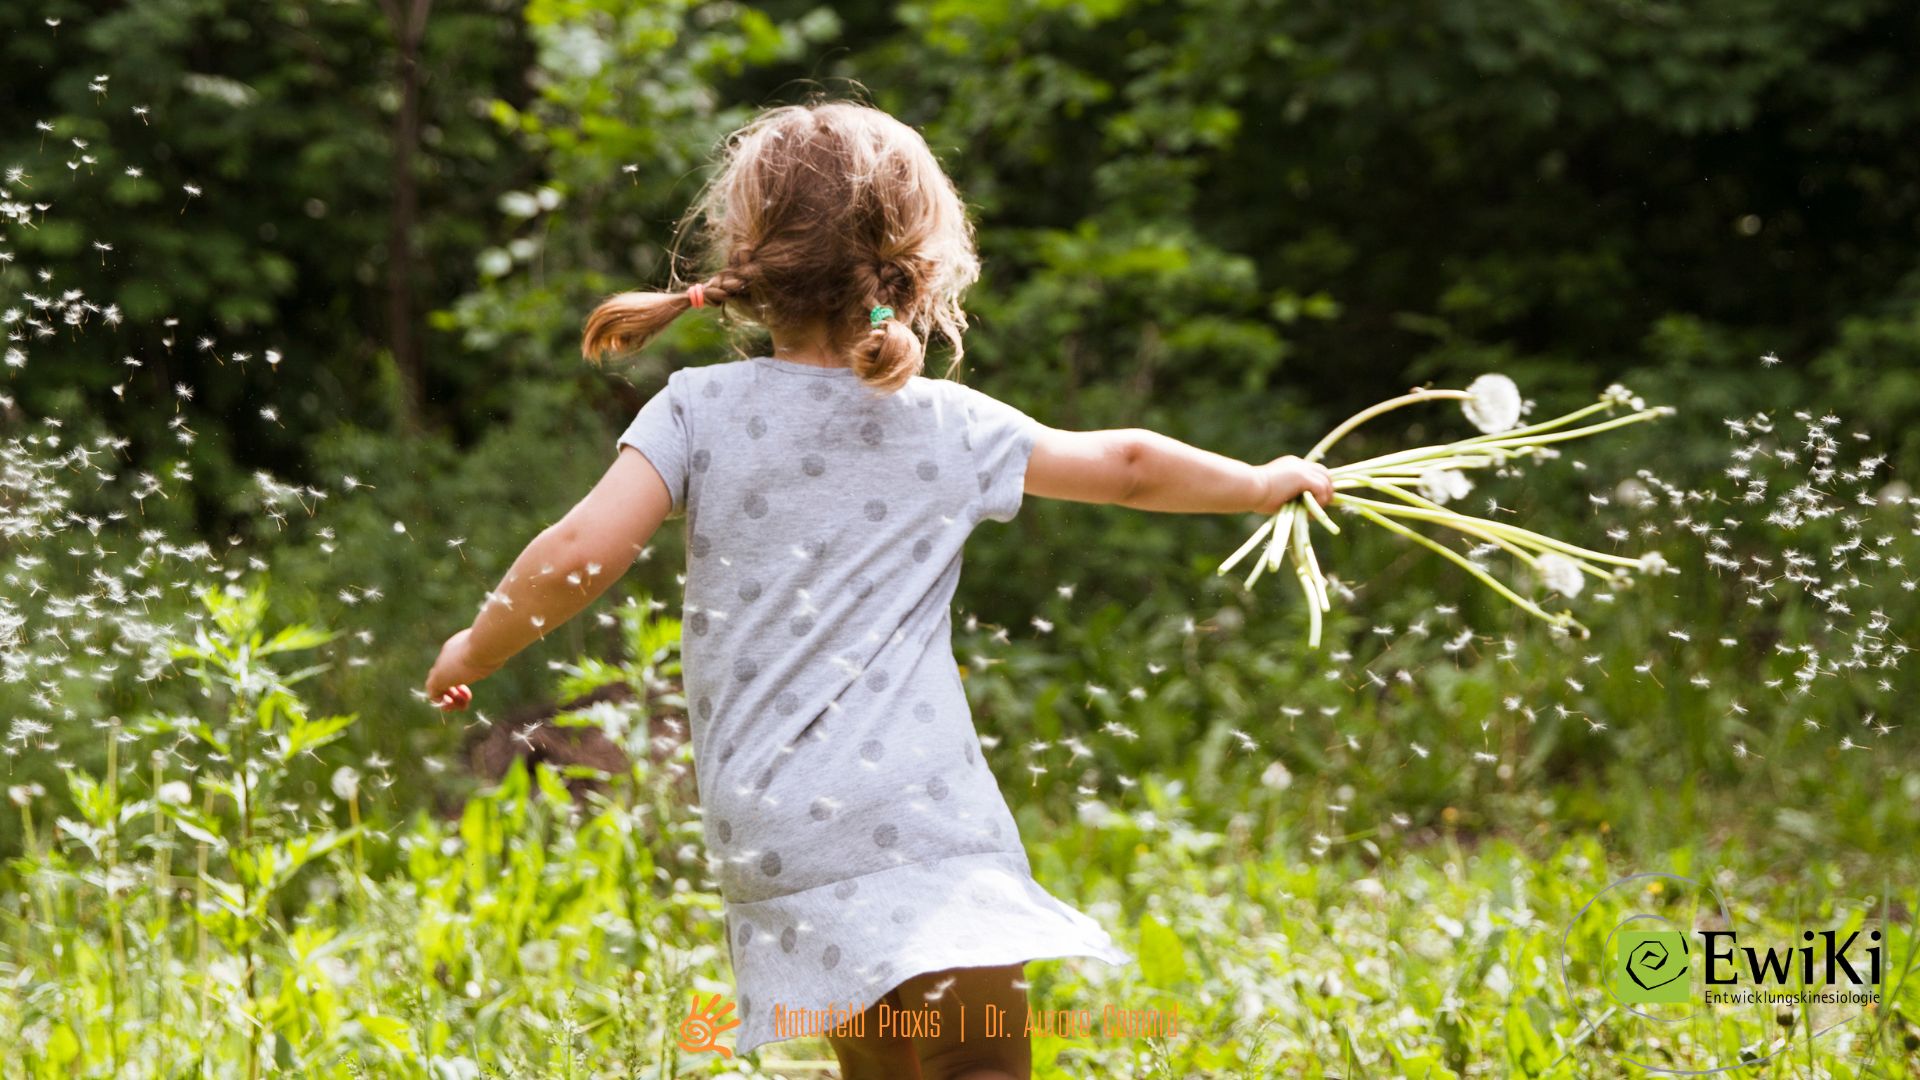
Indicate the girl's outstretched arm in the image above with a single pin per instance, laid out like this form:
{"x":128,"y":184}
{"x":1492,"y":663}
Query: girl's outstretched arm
{"x":1146,"y":470}
{"x":563,"y":570}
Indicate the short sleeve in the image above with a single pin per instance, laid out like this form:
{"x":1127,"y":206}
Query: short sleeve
{"x":1002,"y":439}
{"x":660,"y":433}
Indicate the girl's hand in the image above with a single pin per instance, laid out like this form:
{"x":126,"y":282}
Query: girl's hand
{"x":1285,"y":479}
{"x":457,"y":666}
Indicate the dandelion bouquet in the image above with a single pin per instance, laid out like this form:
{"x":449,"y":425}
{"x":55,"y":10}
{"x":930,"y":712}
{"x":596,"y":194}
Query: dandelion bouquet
{"x":1410,"y":488}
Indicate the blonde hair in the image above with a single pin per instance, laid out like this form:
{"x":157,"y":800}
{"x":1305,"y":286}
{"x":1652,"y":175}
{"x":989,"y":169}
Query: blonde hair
{"x":820,"y":214}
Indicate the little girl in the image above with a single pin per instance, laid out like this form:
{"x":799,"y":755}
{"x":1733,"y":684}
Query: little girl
{"x":868,"y":861}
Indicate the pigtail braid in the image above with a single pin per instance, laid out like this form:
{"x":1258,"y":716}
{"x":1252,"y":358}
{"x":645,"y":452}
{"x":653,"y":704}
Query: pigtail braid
{"x":625,"y":322}
{"x":890,"y":353}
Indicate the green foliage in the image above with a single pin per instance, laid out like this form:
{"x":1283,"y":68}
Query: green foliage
{"x":530,"y":935}
{"x":278,"y":115}
{"x":1224,"y":221}
{"x":247,"y":930}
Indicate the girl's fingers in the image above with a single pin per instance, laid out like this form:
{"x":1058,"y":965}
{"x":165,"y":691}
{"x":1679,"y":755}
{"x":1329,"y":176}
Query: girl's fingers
{"x":455,"y":699}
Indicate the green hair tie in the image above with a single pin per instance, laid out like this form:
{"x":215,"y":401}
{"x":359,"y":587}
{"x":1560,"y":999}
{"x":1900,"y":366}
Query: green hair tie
{"x":879,"y":315}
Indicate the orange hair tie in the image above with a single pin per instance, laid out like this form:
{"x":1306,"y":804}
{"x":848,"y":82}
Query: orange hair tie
{"x":697,"y":295}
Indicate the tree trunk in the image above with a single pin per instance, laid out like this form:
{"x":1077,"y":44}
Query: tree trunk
{"x":408,"y":21}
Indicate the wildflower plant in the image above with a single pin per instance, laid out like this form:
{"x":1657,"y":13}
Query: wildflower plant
{"x":1406,"y":489}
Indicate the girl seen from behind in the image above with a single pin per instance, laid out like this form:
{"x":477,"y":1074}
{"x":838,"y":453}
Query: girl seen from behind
{"x":861,"y":844}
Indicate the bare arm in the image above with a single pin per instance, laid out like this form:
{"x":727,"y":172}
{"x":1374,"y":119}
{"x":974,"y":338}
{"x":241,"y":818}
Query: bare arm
{"x":563,"y":570}
{"x":1146,"y":470}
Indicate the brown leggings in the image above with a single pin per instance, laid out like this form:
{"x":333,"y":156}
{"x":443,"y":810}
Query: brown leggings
{"x":951,"y":1054}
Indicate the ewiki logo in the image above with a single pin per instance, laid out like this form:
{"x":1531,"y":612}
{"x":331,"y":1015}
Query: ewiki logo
{"x":1656,"y":959}
{"x":1651,"y":969}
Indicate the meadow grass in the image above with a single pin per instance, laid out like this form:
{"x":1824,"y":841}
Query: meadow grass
{"x":255,"y":929}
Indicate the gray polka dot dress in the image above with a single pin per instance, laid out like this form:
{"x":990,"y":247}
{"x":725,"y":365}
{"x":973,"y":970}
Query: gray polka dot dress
{"x":857,"y":834}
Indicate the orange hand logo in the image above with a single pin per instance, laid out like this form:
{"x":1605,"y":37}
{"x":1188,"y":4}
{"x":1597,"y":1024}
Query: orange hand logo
{"x":703,"y":1025}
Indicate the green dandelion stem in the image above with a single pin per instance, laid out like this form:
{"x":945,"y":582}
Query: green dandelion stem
{"x":1319,"y":513}
{"x":1507,"y":440}
{"x":1247,"y":548}
{"x":1495,"y":441}
{"x":1417,"y":502}
{"x":1417,"y":469}
{"x":1502,"y":536}
{"x":1320,"y":448}
{"x":1427,"y":458}
{"x":1302,"y":569}
{"x":1466,"y":564}
{"x":1544,"y":426}
{"x":1452,"y":519}
{"x":1319,"y":576}
{"x":1281,"y":537}
{"x":1501,"y":446}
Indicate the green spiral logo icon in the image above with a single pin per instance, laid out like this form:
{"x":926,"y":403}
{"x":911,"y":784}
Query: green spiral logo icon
{"x":1652,"y":968}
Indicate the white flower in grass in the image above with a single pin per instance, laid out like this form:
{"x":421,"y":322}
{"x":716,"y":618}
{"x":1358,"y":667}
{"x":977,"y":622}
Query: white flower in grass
{"x":1495,"y":404}
{"x":1561,"y":574}
{"x":1277,"y":777}
{"x":175,"y":793}
{"x":1444,"y":485}
{"x":540,"y":957}
{"x":1095,"y":813}
{"x":346,"y":782}
{"x":1653,"y":563}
